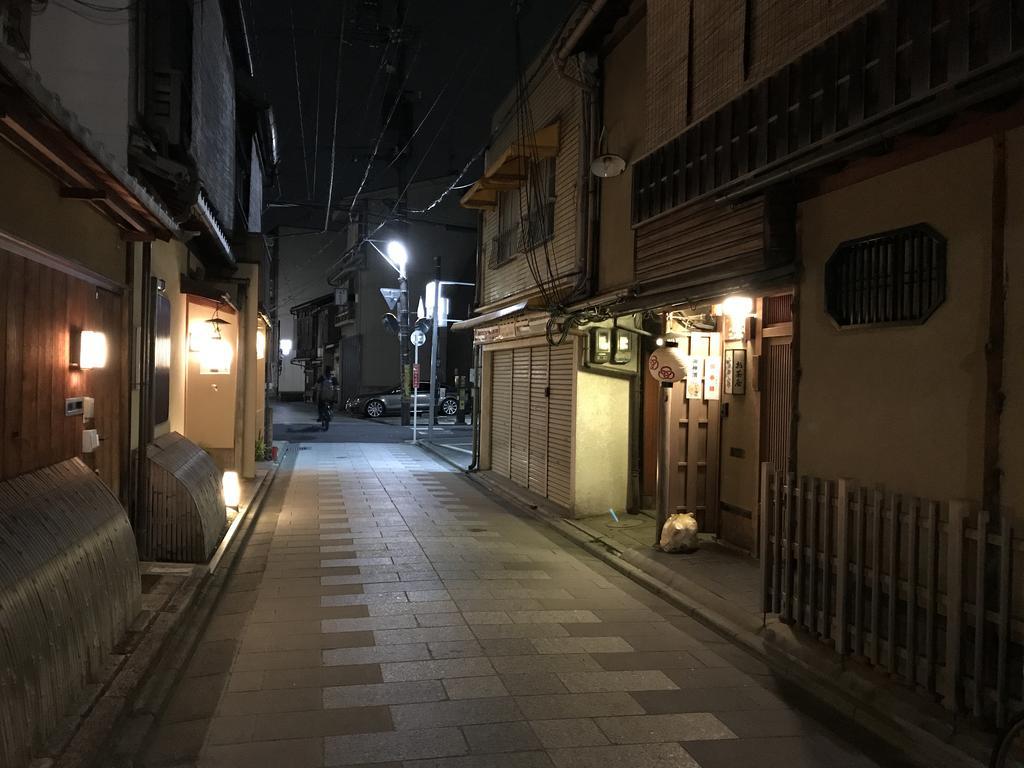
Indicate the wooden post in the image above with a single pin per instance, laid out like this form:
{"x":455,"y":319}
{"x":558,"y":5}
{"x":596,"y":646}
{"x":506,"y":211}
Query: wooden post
{"x":994,"y":395}
{"x":826,"y":567}
{"x":912,"y":545}
{"x":665,"y":474}
{"x":765,"y":527}
{"x":812,"y":562}
{"x":877,"y":509}
{"x":958,"y":512}
{"x":1005,"y":597}
{"x":858,"y":587}
{"x":798,"y":599}
{"x":777,"y":544}
{"x":979,"y":614}
{"x":842,"y":562}
{"x":932,"y":576}
{"x":895,"y":503}
{"x":787,"y":560}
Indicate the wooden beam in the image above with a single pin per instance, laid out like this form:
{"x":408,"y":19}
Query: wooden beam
{"x":82,"y":193}
{"x":137,"y":237}
{"x":994,"y":396}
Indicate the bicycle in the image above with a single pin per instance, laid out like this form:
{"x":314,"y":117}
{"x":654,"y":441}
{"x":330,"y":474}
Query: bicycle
{"x":325,"y":416}
{"x":1009,"y":751}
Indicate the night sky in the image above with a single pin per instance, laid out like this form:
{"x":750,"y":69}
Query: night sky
{"x":462,"y":63}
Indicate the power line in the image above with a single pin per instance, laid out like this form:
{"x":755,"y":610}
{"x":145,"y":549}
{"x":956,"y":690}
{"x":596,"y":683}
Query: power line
{"x":337,"y":106}
{"x":298,"y":97}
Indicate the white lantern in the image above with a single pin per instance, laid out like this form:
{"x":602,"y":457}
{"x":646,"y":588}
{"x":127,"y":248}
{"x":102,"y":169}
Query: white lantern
{"x":261,"y":344}
{"x":231,"y":487}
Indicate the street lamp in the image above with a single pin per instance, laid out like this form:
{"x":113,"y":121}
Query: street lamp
{"x":397,"y":256}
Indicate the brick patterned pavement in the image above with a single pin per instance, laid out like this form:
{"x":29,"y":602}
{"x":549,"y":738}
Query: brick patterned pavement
{"x":385,"y":612}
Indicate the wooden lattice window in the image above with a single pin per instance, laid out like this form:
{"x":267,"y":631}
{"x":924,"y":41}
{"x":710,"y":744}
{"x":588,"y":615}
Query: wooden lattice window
{"x":892,"y":277}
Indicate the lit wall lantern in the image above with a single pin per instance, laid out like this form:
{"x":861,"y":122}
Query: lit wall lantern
{"x":231,"y":488}
{"x":261,"y":344}
{"x":286,"y":347}
{"x":622,"y":344}
{"x":215,"y":357}
{"x":199,"y":332}
{"x":88,"y":349}
{"x":600,"y":345}
{"x":736,"y":310}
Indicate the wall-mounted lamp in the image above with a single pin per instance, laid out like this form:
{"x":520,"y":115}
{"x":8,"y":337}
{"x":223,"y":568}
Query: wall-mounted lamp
{"x":231,"y":488}
{"x":215,"y":357}
{"x":736,"y":310}
{"x":261,"y":344}
{"x":88,"y":349}
{"x":286,"y":347}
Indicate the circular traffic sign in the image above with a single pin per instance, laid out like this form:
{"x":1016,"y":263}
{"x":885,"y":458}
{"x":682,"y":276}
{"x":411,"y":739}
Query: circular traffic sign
{"x":417,"y":338}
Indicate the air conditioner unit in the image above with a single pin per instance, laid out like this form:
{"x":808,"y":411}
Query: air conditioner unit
{"x":15,"y":24}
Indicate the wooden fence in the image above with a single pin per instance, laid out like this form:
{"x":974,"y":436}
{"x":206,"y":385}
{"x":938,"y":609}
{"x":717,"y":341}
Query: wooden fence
{"x":928,"y":592}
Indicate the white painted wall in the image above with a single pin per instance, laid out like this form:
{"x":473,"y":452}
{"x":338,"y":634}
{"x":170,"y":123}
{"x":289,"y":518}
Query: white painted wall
{"x":85,"y":58}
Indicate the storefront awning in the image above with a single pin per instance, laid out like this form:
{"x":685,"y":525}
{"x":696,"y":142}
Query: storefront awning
{"x":510,"y":170}
{"x":490,"y":317}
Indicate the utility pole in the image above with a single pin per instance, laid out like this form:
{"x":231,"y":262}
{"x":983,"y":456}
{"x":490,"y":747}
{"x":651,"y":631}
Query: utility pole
{"x":402,"y":130}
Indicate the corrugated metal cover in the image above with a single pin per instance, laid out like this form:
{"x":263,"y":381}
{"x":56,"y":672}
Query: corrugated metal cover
{"x":69,"y":590}
{"x":561,"y":420}
{"x":185,"y":515}
{"x":501,"y":412}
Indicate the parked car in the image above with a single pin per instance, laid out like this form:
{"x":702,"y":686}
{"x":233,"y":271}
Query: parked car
{"x":389,"y":403}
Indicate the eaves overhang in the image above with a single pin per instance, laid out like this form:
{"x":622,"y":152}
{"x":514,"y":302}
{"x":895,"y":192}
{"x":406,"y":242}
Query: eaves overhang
{"x":33,"y":120}
{"x":511,"y":169}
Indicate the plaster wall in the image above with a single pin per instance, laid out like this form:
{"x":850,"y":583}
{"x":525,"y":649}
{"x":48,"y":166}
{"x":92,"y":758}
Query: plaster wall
{"x":211,"y":399}
{"x":900,"y":405}
{"x":601,"y":453}
{"x":625,"y":96}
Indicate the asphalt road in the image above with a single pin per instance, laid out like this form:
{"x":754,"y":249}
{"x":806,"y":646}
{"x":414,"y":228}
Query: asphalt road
{"x":296,"y":423}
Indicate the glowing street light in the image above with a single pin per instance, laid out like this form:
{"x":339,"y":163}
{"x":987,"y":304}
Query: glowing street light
{"x":398,"y":256}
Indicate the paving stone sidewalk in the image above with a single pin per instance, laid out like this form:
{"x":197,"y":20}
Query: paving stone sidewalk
{"x":385,"y":612}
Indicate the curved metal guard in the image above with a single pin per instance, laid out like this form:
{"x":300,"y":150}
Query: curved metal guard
{"x":69,"y":590}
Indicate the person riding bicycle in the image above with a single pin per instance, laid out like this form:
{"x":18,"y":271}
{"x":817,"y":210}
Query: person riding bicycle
{"x":325,"y":393}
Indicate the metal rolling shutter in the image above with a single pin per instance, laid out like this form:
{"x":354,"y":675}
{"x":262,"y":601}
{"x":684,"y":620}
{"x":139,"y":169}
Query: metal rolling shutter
{"x":560,"y":423}
{"x":538,"y":463}
{"x":501,"y":411}
{"x":520,"y":432}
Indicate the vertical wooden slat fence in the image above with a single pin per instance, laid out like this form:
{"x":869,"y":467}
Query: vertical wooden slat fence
{"x":922,"y":590}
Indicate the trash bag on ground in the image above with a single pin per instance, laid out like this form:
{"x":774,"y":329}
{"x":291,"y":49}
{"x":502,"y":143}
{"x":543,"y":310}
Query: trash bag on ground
{"x":680,"y":533}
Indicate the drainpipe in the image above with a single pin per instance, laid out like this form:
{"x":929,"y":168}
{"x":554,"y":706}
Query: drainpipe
{"x":145,"y":426}
{"x":477,"y":363}
{"x":577,"y":34}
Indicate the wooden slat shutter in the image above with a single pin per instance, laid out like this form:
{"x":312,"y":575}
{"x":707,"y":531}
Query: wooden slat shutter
{"x":520,"y":429}
{"x":538,"y":461}
{"x":560,"y":423}
{"x":501,"y":412}
{"x":777,"y":380}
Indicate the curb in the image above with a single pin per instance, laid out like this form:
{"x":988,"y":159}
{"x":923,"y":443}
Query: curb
{"x":899,"y":725}
{"x":120,"y":721}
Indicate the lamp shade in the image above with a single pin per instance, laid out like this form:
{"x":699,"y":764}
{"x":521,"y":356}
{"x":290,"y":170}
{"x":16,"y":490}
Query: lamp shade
{"x":215,"y":356}
{"x":231,"y":487}
{"x":93,"y":351}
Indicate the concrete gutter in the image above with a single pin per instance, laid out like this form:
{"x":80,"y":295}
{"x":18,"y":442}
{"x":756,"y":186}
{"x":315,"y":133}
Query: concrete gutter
{"x":113,"y":730}
{"x":898,"y":718}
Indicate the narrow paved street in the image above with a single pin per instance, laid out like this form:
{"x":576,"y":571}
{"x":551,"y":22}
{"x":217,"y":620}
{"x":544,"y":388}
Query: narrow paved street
{"x":386,"y":612}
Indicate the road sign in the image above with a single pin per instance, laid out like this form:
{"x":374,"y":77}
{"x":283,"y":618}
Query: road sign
{"x":416,"y":376}
{"x":391,"y":296}
{"x":417,"y":338}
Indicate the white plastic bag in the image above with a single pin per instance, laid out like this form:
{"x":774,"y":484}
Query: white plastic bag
{"x":680,"y":533}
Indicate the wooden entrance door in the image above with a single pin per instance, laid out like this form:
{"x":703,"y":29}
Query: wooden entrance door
{"x":695,"y":448}
{"x":776,"y":377}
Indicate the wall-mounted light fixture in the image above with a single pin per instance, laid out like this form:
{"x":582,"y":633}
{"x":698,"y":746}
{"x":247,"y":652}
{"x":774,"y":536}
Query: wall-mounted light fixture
{"x":231,"y":488}
{"x":88,"y":349}
{"x":736,"y":310}
{"x":261,"y":344}
{"x":286,"y":347}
